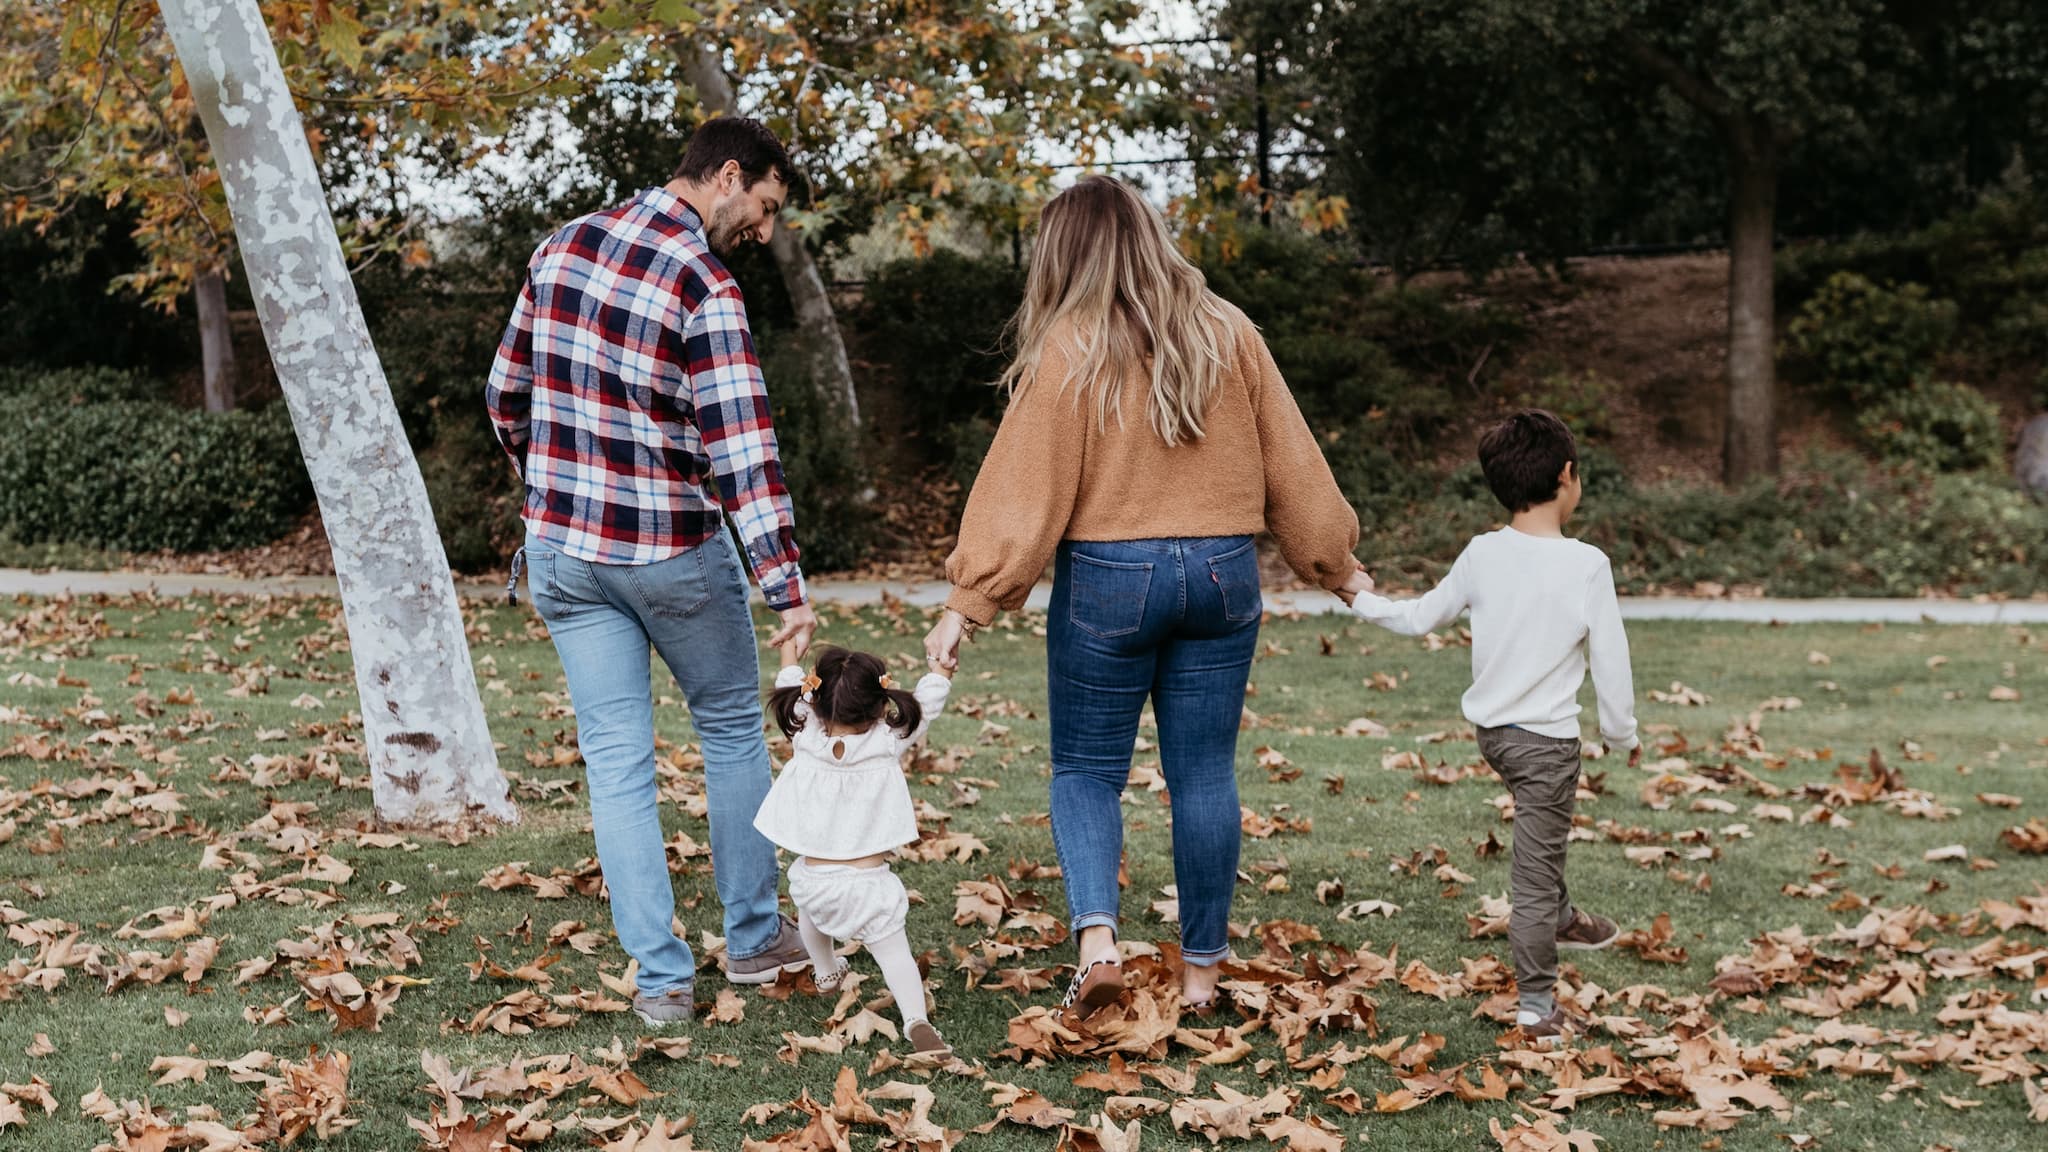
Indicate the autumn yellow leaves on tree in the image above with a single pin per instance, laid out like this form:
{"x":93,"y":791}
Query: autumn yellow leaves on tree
{"x":909,"y":112}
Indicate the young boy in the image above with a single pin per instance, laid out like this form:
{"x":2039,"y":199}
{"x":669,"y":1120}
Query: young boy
{"x":1543,"y":608}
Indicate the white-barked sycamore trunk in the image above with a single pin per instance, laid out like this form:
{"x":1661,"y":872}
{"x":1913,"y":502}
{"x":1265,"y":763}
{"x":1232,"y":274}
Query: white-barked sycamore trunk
{"x":430,"y":754}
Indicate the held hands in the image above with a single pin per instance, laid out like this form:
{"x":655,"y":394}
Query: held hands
{"x":1358,"y":583}
{"x":798,"y":626}
{"x":942,"y":643}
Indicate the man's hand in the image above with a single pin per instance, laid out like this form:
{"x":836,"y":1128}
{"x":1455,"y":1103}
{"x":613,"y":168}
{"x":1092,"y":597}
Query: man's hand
{"x":798,"y":624}
{"x":942,"y":643}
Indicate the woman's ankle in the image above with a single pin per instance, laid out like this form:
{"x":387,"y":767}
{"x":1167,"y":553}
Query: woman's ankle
{"x":1097,"y":942}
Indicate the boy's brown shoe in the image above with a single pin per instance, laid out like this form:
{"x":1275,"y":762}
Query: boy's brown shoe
{"x":925,"y":1041}
{"x":1551,"y":1031}
{"x":1587,"y":933}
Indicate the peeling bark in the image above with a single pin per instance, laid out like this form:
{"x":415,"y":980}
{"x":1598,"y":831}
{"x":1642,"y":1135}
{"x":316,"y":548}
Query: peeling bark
{"x":429,"y":749}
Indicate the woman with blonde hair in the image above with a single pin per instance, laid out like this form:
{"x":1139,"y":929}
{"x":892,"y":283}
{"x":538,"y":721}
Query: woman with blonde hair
{"x":1148,"y":437}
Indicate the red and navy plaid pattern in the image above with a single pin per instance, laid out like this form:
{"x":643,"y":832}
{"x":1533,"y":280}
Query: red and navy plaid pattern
{"x":627,"y":391}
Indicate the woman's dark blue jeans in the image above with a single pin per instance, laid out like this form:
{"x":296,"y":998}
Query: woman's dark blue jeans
{"x":1175,"y":621}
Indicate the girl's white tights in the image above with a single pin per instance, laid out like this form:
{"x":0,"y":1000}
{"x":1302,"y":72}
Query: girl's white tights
{"x":891,"y":952}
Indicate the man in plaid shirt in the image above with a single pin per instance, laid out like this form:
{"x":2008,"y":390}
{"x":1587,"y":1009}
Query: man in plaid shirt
{"x":627,"y":391}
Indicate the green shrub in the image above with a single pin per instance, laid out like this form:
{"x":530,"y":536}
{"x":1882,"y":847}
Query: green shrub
{"x":1436,"y":333}
{"x":1866,"y":341}
{"x":143,"y":476}
{"x":1803,"y":270}
{"x":937,"y":325}
{"x":1991,"y":260}
{"x":1376,"y":480}
{"x":1600,"y":473}
{"x":1584,"y":402}
{"x":1339,"y":339}
{"x":967,"y":444}
{"x":64,"y":386}
{"x":831,"y":484}
{"x":1835,"y":528}
{"x":474,"y":490}
{"x":1941,"y":427}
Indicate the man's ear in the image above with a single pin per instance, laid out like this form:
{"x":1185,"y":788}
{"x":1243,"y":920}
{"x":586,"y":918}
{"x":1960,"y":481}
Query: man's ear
{"x":731,"y":176}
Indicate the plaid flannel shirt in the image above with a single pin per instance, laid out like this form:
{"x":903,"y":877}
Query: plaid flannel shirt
{"x":627,"y":391}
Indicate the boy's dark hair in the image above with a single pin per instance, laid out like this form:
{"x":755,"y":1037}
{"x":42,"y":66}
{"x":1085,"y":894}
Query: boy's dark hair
{"x":1524,"y":455}
{"x":849,"y":694}
{"x":735,"y":138}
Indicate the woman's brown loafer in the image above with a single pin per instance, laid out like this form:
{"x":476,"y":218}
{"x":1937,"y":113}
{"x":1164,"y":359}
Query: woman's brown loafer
{"x":1095,"y":985}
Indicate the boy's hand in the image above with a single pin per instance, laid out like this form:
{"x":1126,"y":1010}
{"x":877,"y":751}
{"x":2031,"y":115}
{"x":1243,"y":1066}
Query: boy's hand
{"x":792,"y":653}
{"x":938,"y":667}
{"x":1635,"y":756}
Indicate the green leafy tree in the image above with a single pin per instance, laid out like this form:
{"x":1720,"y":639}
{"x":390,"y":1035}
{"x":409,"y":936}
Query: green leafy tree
{"x":926,"y":108}
{"x":1479,"y":129}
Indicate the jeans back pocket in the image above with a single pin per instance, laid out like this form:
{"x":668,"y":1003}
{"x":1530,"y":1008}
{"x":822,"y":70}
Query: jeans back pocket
{"x":1107,"y":597}
{"x":676,"y":587}
{"x":544,"y":582}
{"x":1236,"y":574}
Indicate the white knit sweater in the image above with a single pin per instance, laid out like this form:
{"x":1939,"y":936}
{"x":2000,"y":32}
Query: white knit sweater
{"x":1543,"y":609}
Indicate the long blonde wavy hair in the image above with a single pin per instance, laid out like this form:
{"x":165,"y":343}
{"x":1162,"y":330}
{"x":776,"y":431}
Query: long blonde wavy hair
{"x":1105,"y":263}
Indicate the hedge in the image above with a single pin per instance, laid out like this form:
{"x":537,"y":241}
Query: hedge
{"x":85,"y":461}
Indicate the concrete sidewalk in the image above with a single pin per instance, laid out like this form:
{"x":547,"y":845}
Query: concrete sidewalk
{"x":22,"y":581}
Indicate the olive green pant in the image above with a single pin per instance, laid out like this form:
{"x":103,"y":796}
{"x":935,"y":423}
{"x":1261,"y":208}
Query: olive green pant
{"x":1542,"y":773}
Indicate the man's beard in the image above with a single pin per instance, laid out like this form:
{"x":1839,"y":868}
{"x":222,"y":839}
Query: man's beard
{"x":723,"y":231}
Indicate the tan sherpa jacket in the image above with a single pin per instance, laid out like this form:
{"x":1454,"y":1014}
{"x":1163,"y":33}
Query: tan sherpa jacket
{"x":1052,"y":475}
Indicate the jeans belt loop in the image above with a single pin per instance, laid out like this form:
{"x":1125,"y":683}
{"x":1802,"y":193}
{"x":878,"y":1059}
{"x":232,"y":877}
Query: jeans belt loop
{"x":512,"y":585}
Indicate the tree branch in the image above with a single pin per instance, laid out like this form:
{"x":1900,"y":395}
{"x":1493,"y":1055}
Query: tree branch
{"x":105,"y":53}
{"x":1690,"y":86}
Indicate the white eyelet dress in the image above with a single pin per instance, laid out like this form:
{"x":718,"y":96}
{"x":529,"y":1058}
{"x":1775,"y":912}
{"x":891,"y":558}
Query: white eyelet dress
{"x":843,"y":807}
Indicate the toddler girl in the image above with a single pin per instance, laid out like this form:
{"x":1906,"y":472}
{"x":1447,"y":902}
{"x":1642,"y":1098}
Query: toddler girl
{"x":841,"y":805}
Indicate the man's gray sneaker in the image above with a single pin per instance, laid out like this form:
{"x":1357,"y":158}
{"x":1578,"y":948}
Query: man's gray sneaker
{"x":675,"y":1006}
{"x":786,"y":954}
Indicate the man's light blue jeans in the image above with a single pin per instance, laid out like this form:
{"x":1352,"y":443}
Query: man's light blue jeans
{"x":692,"y":609}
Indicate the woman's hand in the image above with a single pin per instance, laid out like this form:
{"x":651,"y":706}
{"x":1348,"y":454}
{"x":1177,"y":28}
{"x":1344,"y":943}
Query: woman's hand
{"x":1359,"y":583}
{"x":942,"y":643}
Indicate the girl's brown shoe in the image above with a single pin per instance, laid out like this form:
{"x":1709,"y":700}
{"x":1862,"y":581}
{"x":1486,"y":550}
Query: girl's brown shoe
{"x":925,"y":1041}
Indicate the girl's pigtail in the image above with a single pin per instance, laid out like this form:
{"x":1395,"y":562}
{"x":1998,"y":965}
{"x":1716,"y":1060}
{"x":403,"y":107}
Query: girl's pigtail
{"x":905,"y":712}
{"x":782,"y":704}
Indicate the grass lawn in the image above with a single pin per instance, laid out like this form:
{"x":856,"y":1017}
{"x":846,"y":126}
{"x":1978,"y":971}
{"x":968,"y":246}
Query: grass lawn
{"x":144,"y":745}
